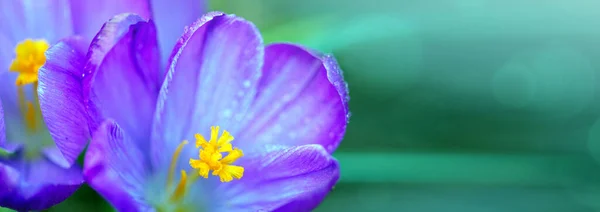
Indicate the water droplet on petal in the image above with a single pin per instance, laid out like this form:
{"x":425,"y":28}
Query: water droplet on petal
{"x":227,"y":113}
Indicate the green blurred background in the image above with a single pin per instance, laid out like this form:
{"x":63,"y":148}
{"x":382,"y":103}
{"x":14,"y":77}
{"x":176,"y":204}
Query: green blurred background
{"x":457,"y":105}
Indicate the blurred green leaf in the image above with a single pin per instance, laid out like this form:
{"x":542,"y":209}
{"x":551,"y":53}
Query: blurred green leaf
{"x":5,"y":210}
{"x":3,"y":153}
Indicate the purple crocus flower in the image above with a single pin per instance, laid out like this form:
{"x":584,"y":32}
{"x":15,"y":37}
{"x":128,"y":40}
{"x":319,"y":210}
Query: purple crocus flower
{"x":286,"y":106}
{"x":34,"y":175}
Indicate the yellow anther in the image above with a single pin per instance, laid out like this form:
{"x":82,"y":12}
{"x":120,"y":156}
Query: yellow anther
{"x":227,"y":172}
{"x":214,"y":133}
{"x":29,"y":58}
{"x":224,"y":142}
{"x":232,"y":156}
{"x":200,"y":141}
{"x":211,"y":159}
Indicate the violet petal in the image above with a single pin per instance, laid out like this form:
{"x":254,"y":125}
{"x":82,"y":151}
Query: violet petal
{"x":55,"y":156}
{"x":116,"y":168}
{"x":60,"y":95}
{"x":36,"y":185}
{"x":281,"y":179}
{"x":8,"y":90}
{"x":8,"y":98}
{"x":126,"y":83}
{"x":2,"y":127}
{"x":171,"y":17}
{"x":42,"y":19}
{"x":88,"y":16}
{"x":218,"y":58}
{"x":299,"y":101}
{"x":4,"y":146}
{"x":110,"y":34}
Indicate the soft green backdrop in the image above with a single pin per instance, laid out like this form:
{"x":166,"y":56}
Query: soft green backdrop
{"x":458,"y":105}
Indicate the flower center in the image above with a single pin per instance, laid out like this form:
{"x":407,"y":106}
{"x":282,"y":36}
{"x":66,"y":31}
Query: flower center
{"x":29,"y":58}
{"x":210,"y":159}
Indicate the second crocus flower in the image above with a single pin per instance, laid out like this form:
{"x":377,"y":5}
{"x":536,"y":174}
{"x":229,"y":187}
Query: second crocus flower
{"x":34,"y":174}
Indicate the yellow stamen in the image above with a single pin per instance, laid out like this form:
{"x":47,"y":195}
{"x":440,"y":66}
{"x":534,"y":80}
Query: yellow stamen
{"x":228,"y":172}
{"x":210,"y":157}
{"x":225,"y":142}
{"x":29,"y":58}
{"x":181,"y":188}
{"x":174,"y":162}
{"x":29,"y":109}
{"x":200,"y":141}
{"x":22,"y":101}
{"x":30,"y":117}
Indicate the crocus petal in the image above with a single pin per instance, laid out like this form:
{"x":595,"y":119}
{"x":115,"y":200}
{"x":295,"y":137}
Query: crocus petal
{"x":36,"y":185}
{"x":2,"y":127}
{"x":116,"y":168}
{"x":171,"y":17}
{"x":281,"y":179}
{"x":110,"y":33}
{"x":126,"y":84}
{"x":301,"y":99}
{"x":60,"y":95}
{"x":55,"y":156}
{"x":88,"y":16}
{"x":6,"y":147}
{"x":9,"y":179}
{"x":12,"y":30}
{"x":8,"y":95}
{"x":211,"y":80}
{"x":8,"y":90}
{"x":40,"y":19}
{"x":9,"y":182}
{"x":7,"y":53}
